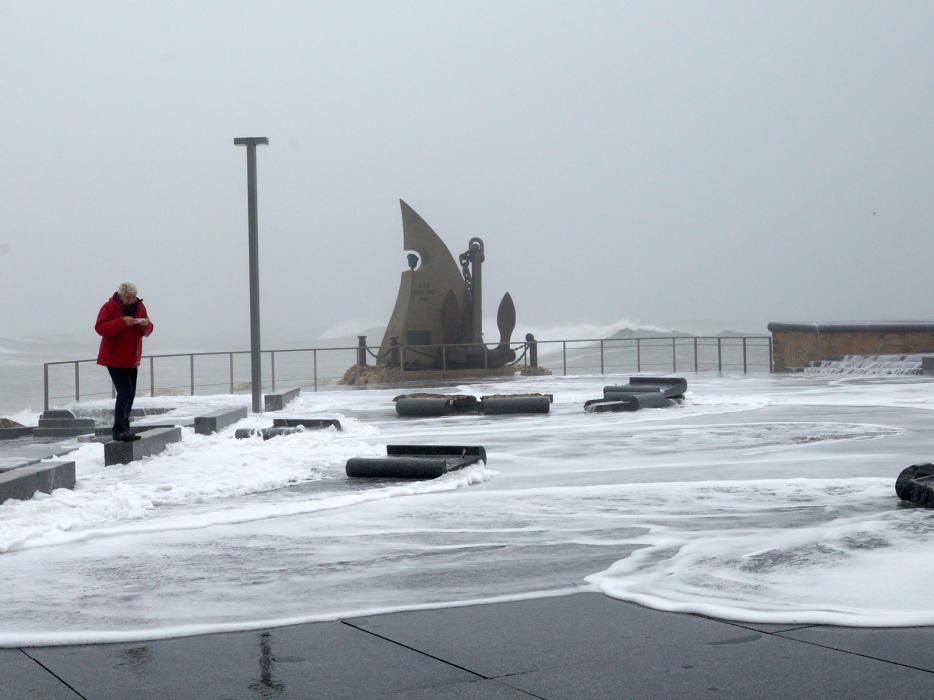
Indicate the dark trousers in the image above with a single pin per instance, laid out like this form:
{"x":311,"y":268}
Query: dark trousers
{"x":124,"y":379}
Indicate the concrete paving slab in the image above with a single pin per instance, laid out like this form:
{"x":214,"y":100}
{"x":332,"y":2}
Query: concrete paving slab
{"x":910,"y":646}
{"x":508,"y":638}
{"x":473,"y":690}
{"x":764,"y":667}
{"x":770,"y":628}
{"x":29,"y":450}
{"x":322,"y":660}
{"x":21,"y":678}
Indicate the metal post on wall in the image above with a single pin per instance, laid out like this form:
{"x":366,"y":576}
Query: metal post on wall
{"x":601,"y":356}
{"x":77,"y":383}
{"x":152,"y":377}
{"x":256,"y":366}
{"x":45,"y":386}
{"x":638,"y":354}
{"x":231,"y":374}
{"x":564,"y":355}
{"x":719,"y":354}
{"x":272,"y":362}
{"x":315,"y":358}
{"x":771,"y":358}
{"x":744,"y":355}
{"x":695,"y":353}
{"x":191,"y":372}
{"x":674,"y":356}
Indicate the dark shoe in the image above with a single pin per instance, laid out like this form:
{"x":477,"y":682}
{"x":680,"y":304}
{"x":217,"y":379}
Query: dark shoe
{"x":126,"y":437}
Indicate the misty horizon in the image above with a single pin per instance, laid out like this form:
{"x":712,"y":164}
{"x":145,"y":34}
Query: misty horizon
{"x":675,"y":166}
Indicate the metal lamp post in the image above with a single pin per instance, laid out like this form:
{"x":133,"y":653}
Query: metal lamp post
{"x":256,"y":366}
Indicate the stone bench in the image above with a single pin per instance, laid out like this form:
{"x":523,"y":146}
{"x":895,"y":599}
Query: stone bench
{"x":218,"y":420}
{"x":150,"y":442}
{"x":278,"y":400}
{"x":23,"y":482}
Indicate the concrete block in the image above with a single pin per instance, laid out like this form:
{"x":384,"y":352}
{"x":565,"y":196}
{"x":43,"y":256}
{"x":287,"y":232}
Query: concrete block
{"x":151,"y":442}
{"x":13,"y":433}
{"x":66,"y":422}
{"x":277,"y":401}
{"x":22,"y":483}
{"x":927,"y":365}
{"x":213,"y":422}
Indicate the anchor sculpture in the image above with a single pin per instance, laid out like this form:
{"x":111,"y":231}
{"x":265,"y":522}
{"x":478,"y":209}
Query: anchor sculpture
{"x":440,"y":304}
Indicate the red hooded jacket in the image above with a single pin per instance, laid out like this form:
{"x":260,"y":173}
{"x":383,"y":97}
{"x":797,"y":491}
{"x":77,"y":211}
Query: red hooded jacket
{"x":121,"y":344}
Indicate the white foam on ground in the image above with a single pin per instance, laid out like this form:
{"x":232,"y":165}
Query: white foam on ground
{"x":765,"y":499}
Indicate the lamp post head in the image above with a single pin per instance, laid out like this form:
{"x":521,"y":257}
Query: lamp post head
{"x":251,"y":141}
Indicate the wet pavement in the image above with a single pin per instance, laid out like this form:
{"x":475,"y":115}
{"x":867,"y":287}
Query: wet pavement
{"x":577,"y":646}
{"x":29,"y":450}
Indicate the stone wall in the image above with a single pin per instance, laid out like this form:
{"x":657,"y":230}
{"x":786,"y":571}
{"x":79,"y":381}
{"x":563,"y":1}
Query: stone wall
{"x":795,"y":345}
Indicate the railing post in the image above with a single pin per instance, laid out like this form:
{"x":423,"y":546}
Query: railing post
{"x":638,"y":354}
{"x":564,"y":356}
{"x":231,"y":374}
{"x":771,"y":359}
{"x":533,"y":350}
{"x":361,"y":350}
{"x":45,"y":386}
{"x":77,"y":383}
{"x":152,"y":376}
{"x":272,"y":358}
{"x":674,"y":355}
{"x":315,"y":353}
{"x":744,"y":355}
{"x":695,"y":354}
{"x":720,"y":354}
{"x":444,"y":361}
{"x":601,"y":356}
{"x":191,"y":372}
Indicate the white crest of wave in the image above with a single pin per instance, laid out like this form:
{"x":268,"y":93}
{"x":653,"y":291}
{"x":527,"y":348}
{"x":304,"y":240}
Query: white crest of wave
{"x":351,"y":327}
{"x":592,"y":330}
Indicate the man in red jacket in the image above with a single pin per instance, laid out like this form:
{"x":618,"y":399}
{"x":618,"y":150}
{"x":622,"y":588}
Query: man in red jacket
{"x":122,"y":322}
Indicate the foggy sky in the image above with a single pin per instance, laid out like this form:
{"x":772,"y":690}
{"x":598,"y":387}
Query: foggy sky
{"x":658,"y":162}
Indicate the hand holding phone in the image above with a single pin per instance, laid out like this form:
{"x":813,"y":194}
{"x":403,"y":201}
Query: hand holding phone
{"x":141,"y":320}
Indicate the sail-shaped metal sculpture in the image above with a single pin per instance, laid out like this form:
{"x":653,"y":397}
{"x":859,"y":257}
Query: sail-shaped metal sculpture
{"x":439,"y":304}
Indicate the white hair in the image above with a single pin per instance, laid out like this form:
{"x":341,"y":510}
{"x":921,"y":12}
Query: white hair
{"x":126,"y":288}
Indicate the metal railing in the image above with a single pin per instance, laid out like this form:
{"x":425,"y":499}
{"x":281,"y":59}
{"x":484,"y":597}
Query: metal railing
{"x":218,"y":372}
